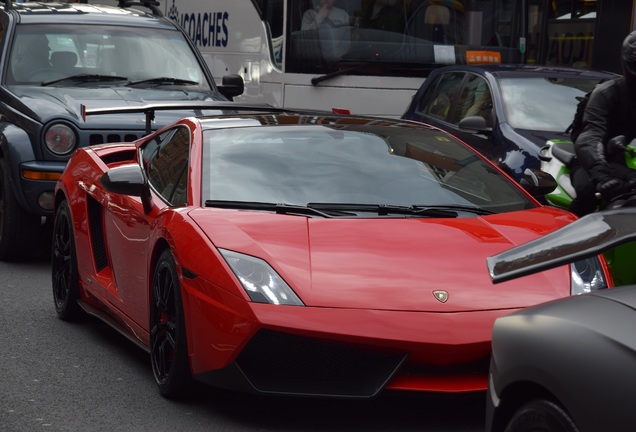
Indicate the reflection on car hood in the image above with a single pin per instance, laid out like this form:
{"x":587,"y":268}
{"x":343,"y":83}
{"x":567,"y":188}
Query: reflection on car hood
{"x":540,"y":137}
{"x":48,"y":103}
{"x":393,"y":264}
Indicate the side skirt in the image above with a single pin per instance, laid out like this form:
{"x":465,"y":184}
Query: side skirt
{"x":109,"y":320}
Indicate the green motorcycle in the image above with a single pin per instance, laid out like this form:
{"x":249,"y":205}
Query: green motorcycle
{"x":556,"y":159}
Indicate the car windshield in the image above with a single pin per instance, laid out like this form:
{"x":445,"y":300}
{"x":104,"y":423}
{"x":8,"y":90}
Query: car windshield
{"x":546,"y":104}
{"x":107,"y":54}
{"x":375,"y":163}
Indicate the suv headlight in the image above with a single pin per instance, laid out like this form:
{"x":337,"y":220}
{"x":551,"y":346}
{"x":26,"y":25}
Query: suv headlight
{"x":587,"y":275}
{"x":260,"y":281}
{"x":60,"y":139}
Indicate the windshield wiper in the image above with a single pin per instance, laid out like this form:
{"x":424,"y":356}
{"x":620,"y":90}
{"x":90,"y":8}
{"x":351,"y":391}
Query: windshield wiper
{"x":279,"y":208}
{"x":387,"y":209}
{"x":86,"y":78}
{"x":464,"y":208}
{"x":164,"y":81}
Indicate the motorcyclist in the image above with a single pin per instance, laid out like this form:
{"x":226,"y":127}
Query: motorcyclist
{"x":610,"y":112}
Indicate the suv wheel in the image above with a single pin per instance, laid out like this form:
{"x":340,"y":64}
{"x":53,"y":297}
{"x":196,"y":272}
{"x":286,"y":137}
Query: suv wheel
{"x":19,"y":230}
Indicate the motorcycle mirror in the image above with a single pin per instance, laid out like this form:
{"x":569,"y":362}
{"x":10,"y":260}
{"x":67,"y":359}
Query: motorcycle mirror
{"x":537,"y":183}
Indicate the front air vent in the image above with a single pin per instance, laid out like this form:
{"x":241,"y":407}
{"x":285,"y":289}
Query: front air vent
{"x":120,"y":156}
{"x":282,"y":363}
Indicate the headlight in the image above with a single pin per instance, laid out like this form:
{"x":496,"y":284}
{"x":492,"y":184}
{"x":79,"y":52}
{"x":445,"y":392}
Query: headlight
{"x":587,"y":276}
{"x":260,"y":281}
{"x":60,"y":139}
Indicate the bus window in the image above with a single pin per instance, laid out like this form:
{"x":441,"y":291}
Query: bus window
{"x":570,"y":33}
{"x":417,"y":35}
{"x":373,"y":55}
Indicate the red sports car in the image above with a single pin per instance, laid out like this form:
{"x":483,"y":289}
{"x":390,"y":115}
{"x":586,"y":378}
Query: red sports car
{"x":298,"y":253}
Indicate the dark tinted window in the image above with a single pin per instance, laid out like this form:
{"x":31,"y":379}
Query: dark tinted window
{"x":166,"y":163}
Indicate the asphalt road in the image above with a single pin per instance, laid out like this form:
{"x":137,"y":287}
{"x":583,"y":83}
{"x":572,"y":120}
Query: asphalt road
{"x":56,"y":376}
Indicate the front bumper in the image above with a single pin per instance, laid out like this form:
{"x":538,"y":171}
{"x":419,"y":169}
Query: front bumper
{"x":337,"y":352}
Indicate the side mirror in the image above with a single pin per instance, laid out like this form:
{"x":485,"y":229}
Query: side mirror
{"x":232,"y":85}
{"x":128,"y":180}
{"x":537,"y":183}
{"x":475,"y":124}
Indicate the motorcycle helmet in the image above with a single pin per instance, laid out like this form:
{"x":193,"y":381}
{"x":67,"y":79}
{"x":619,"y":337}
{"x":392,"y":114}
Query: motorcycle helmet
{"x":628,"y":57}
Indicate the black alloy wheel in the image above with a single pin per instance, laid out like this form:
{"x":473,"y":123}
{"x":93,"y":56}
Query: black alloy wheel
{"x":541,"y":416}
{"x":64,"y":272}
{"x":168,"y":344}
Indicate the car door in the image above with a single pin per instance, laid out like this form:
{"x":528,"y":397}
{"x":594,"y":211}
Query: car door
{"x":130,"y":230}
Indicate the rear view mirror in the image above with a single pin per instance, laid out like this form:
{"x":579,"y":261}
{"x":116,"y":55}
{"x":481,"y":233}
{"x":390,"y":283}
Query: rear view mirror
{"x":128,"y":180}
{"x":475,"y":124}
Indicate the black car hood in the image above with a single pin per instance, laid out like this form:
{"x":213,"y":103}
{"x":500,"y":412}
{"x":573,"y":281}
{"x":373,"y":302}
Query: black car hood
{"x":540,"y":137}
{"x":47,"y":103}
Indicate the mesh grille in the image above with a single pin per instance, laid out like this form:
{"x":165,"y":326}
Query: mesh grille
{"x":281,"y":363}
{"x":111,"y":138}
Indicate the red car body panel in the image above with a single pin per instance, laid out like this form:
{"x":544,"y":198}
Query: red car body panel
{"x":353,"y":263}
{"x":367,"y":283}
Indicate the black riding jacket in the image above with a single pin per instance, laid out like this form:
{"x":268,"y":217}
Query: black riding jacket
{"x":610,"y":111}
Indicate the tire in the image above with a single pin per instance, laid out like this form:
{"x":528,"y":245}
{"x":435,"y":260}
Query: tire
{"x":64,"y":272}
{"x":19,"y":230}
{"x":168,"y":344}
{"x":541,"y":416}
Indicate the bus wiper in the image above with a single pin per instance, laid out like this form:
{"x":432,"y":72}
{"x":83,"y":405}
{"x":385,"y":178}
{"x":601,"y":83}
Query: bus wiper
{"x":317,"y":80}
{"x":356,"y":65}
{"x":86,"y":78}
{"x":164,"y":81}
{"x":387,"y":209}
{"x":279,"y":208}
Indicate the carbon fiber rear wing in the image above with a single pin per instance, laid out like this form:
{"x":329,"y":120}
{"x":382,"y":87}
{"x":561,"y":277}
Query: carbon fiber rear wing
{"x":197,"y":106}
{"x":591,"y":235}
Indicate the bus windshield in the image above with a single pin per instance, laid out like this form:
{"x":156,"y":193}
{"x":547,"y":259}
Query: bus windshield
{"x":416,"y":35}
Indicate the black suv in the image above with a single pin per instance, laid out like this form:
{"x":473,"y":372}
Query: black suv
{"x":58,"y":59}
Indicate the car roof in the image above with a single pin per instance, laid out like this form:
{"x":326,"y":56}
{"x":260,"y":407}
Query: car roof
{"x":523,"y":70}
{"x":83,"y":13}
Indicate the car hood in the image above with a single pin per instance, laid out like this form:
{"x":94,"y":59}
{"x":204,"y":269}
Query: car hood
{"x":393,"y":264}
{"x":47,"y":103}
{"x":539,"y":137}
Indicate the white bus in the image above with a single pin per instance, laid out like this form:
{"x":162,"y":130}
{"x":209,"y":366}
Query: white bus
{"x":372,"y":56}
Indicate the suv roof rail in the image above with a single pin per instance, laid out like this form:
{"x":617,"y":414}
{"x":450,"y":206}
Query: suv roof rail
{"x":153,"y":5}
